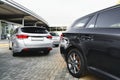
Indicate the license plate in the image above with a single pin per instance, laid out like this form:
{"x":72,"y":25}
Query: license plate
{"x":37,"y":39}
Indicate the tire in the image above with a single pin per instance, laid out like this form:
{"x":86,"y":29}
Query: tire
{"x":56,"y":45}
{"x":15,"y":54}
{"x":10,"y":48}
{"x":75,"y":63}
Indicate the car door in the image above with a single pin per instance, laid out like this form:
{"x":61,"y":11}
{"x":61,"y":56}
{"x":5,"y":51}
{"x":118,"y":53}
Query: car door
{"x":88,"y":39}
{"x":105,"y":50}
{"x":78,"y":35}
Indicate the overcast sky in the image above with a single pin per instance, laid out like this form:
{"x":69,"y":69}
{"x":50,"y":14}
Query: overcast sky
{"x":64,"y":12}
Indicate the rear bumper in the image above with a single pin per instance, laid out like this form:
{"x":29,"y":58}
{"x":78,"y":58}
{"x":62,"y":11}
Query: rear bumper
{"x":23,"y":48}
{"x":63,"y":52}
{"x":56,"y":42}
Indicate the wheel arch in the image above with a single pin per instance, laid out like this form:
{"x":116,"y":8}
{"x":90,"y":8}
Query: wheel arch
{"x":85,"y":69}
{"x":79,"y":48}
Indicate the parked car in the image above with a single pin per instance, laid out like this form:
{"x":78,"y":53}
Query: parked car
{"x":30,"y":39}
{"x":55,"y":38}
{"x":93,"y":44}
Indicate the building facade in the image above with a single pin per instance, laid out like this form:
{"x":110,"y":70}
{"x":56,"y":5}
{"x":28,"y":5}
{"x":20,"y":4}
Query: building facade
{"x":6,"y":29}
{"x":58,"y":29}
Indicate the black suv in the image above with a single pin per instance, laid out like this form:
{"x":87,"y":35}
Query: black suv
{"x":92,"y":44}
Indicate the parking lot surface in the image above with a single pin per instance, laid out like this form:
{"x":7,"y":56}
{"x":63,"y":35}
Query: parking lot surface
{"x":34,"y":66}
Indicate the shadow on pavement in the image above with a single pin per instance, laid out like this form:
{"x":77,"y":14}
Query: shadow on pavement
{"x":31,"y":54}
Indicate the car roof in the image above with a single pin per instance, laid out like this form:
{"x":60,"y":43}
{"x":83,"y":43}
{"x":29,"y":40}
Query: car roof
{"x":97,"y":12}
{"x":32,"y":27}
{"x":112,"y":7}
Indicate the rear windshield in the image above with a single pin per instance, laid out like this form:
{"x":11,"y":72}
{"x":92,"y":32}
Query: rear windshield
{"x":54,"y":34}
{"x":34,"y":30}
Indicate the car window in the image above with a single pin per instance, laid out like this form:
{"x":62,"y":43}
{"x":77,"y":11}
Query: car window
{"x":81,"y":22}
{"x":54,"y":34}
{"x":91,"y":23}
{"x":34,"y":30}
{"x":110,"y":18}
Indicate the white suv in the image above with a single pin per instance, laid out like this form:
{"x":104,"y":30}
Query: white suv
{"x":30,"y":39}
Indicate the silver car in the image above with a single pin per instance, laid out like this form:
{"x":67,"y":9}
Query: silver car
{"x":55,"y":38}
{"x":30,"y":39}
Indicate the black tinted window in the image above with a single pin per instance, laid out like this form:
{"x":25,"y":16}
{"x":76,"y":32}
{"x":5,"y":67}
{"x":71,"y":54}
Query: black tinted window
{"x":91,"y":23}
{"x":110,"y":18}
{"x":54,"y":34}
{"x":34,"y":30}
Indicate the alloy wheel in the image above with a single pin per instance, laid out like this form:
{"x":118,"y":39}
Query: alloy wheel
{"x":74,"y":63}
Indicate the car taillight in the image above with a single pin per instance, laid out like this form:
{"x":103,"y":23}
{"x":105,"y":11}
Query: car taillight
{"x":26,"y":49}
{"x":49,"y":37}
{"x":61,"y":37}
{"x":22,"y":36}
{"x":49,"y":49}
